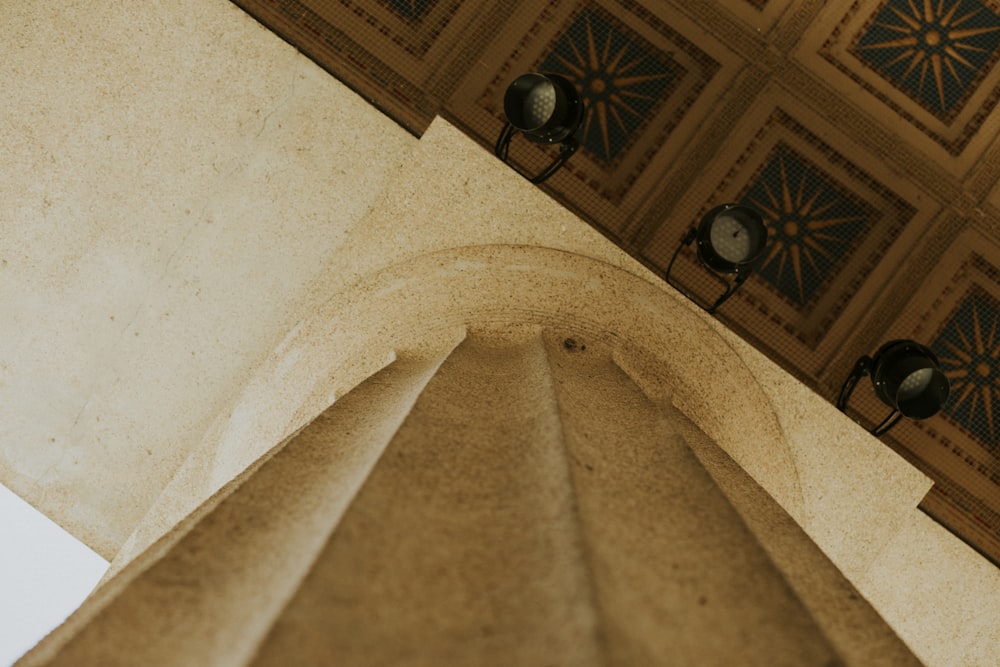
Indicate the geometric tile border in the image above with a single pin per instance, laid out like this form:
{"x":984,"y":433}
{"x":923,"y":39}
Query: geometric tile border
{"x":648,"y":78}
{"x":637,"y":86}
{"x":831,"y":223}
{"x":934,"y":68}
{"x":357,"y":40}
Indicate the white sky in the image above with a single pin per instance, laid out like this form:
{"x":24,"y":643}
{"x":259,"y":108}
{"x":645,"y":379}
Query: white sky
{"x":45,"y":573}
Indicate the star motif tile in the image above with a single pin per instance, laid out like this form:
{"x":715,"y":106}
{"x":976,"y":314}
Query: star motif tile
{"x":935,"y":52}
{"x":815,"y":222}
{"x":622,"y":79}
{"x":968,"y":348}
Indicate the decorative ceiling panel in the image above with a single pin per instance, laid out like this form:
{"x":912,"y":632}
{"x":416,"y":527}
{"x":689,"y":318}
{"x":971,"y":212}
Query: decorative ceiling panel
{"x":645,"y":79}
{"x":625,"y":81}
{"x":936,"y":55}
{"x":834,"y":226}
{"x":968,"y":347}
{"x":959,"y":326}
{"x":932,"y":65}
{"x":817,"y":222}
{"x":956,"y":312}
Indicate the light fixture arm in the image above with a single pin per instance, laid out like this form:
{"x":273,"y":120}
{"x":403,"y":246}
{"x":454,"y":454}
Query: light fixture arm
{"x":731,"y":287}
{"x":887,"y":423}
{"x":566,"y":150}
{"x":862,"y":369}
{"x":687,"y":240}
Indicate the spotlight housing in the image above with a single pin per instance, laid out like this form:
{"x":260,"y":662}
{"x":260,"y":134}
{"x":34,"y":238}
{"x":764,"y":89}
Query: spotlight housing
{"x":731,"y":239}
{"x":906,"y":376}
{"x":546,"y":109}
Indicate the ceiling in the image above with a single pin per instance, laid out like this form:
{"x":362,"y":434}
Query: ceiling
{"x":865,"y":132}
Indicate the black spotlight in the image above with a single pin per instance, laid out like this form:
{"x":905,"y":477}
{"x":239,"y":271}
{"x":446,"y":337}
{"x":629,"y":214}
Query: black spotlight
{"x":907,"y":377}
{"x":731,"y":238}
{"x":547,"y":109}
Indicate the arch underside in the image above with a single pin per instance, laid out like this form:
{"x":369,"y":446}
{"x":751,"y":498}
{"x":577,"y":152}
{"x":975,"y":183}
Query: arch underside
{"x":513,"y":483}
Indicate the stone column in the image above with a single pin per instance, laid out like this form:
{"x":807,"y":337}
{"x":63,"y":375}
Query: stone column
{"x":515,"y":500}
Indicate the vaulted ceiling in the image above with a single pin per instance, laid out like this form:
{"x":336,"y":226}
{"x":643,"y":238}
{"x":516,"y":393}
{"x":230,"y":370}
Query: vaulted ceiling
{"x":864,"y":132}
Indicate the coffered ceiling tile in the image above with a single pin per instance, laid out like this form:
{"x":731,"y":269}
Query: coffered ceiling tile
{"x":839,"y":224}
{"x":993,"y":198}
{"x":647,"y":78}
{"x":396,"y":46}
{"x":965,"y":344}
{"x":760,"y":16}
{"x":931,"y":66}
{"x":956,"y":312}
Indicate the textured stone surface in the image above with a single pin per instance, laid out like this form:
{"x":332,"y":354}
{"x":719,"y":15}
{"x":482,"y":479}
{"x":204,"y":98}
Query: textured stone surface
{"x":176,"y":178}
{"x":152,"y":354}
{"x":521,"y":502}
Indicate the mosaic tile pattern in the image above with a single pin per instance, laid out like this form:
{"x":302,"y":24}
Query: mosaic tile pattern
{"x":961,"y":512}
{"x":931,"y":62}
{"x":412,"y":10}
{"x":969,"y":349}
{"x":830,"y":223}
{"x":935,"y":52}
{"x":635,"y":89}
{"x":621,"y":77}
{"x":814,"y":222}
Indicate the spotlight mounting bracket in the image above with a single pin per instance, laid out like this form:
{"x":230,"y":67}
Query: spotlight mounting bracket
{"x":523,"y":110}
{"x":894,"y":365}
{"x":751,"y":223}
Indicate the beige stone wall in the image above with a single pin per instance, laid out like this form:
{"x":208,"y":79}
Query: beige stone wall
{"x":175,"y":181}
{"x":202,"y":236}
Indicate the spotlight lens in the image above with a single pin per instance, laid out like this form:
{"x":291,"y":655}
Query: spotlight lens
{"x":906,"y":376}
{"x":539,"y":104}
{"x":915,"y":384}
{"x":730,"y":238}
{"x":546,"y":107}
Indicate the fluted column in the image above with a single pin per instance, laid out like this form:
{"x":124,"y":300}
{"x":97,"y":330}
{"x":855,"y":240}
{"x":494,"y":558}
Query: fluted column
{"x":679,"y":578}
{"x":464,"y":545}
{"x":208,"y":599}
{"x":516,"y":500}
